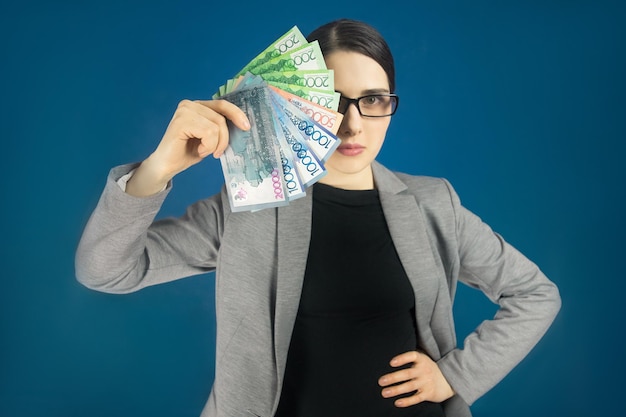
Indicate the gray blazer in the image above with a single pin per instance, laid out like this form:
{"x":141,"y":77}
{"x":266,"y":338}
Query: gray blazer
{"x":260,"y":257}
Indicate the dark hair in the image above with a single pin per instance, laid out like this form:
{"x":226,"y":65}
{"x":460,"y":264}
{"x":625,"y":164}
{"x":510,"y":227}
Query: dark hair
{"x":356,"y":36}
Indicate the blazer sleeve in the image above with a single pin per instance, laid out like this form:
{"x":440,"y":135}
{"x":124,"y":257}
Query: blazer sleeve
{"x":122,"y":248}
{"x":528,"y":303}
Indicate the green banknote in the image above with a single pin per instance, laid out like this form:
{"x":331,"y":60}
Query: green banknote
{"x":322,"y":79}
{"x":292,"y":39}
{"x":306,"y":57}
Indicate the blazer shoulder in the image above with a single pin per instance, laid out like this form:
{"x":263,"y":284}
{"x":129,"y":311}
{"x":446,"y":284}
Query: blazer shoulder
{"x":428,"y":188}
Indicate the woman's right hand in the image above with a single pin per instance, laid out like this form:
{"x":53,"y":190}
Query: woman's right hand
{"x":197,"y":130}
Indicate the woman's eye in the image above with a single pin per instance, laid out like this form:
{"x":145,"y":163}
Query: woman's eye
{"x":371,"y":100}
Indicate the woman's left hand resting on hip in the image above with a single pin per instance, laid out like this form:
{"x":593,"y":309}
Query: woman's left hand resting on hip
{"x":423,"y":377}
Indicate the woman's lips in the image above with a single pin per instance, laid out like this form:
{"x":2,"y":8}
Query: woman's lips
{"x":350,"y":149}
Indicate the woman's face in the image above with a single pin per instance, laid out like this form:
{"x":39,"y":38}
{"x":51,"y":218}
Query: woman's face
{"x":361,"y":137}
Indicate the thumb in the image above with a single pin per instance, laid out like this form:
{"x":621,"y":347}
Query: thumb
{"x":230,"y":111}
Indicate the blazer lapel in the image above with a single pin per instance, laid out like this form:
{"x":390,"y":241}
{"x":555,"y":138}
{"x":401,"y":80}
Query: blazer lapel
{"x":408,"y":232}
{"x":294,"y":232}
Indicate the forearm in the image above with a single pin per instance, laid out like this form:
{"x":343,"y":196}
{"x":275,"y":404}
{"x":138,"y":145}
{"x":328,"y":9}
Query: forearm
{"x":111,"y":253}
{"x":491,"y":351}
{"x":147,"y":180}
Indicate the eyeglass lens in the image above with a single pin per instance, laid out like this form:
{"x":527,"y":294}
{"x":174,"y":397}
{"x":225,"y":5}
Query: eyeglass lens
{"x":376,"y":105}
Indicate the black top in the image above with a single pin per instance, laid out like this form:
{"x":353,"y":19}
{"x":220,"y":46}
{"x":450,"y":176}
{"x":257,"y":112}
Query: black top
{"x":356,"y":313}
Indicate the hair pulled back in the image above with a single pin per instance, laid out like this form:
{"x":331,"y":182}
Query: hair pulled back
{"x":356,"y":36}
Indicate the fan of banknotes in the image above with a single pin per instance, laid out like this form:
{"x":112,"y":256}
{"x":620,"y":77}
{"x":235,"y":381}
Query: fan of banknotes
{"x":289,"y":97}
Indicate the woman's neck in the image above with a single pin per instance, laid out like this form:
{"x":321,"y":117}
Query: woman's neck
{"x":362,"y":180}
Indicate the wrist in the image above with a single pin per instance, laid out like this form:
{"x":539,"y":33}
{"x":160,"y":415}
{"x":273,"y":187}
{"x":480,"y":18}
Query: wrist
{"x":148,"y":179}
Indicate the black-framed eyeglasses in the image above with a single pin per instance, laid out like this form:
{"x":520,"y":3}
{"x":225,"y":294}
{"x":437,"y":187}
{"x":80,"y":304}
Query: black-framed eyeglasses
{"x":371,"y":105}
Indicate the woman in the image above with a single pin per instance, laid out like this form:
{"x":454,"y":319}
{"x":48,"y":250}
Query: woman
{"x":350,"y":313}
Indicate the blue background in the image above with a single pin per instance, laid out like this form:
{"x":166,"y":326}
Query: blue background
{"x":521,"y":104}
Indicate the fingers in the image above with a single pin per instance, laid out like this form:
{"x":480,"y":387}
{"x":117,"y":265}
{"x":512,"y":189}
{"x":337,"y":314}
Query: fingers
{"x":224,"y":109}
{"x":202,"y":125}
{"x":193,"y":122}
{"x":229,"y":110}
{"x":423,"y":380}
{"x":196,"y":130}
{"x":398,"y":376}
{"x":204,"y":121}
{"x":419,"y":389}
{"x":399,"y":383}
{"x":405,"y":358}
{"x":408,"y":387}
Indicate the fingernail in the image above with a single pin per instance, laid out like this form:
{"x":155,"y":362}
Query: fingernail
{"x":399,"y":403}
{"x":246,"y":124}
{"x":386,"y":392}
